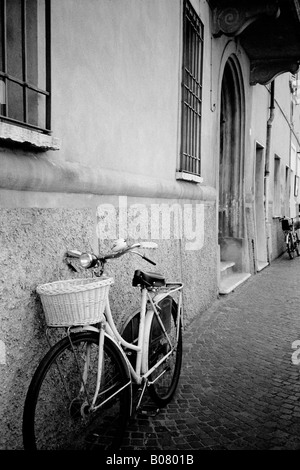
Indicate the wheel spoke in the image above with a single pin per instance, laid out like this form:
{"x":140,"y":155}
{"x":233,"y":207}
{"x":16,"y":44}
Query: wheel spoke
{"x":57,"y":412}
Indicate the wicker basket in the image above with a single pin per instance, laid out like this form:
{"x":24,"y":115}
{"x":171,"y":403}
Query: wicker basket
{"x":74,"y":301}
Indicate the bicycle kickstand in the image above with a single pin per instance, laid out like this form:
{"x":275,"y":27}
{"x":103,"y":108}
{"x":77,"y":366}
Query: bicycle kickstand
{"x":141,"y":394}
{"x":153,"y":412}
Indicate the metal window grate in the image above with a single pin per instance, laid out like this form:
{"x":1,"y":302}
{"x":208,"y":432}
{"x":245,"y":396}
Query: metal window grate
{"x":25,"y":63}
{"x":191,"y":91}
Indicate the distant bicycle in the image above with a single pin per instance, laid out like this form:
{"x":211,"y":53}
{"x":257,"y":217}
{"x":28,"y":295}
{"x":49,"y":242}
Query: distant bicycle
{"x":290,"y":235}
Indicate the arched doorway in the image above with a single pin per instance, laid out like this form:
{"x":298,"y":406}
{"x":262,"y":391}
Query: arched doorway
{"x":231,"y":230}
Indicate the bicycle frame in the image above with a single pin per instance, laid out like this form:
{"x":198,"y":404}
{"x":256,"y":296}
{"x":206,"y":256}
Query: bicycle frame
{"x":291,"y":238}
{"x":140,"y":373}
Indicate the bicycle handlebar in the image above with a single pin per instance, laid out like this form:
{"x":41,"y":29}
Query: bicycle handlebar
{"x":286,"y":218}
{"x":91,"y":260}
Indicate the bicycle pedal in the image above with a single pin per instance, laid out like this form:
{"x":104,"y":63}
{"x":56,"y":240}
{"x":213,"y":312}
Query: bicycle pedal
{"x":151,"y":412}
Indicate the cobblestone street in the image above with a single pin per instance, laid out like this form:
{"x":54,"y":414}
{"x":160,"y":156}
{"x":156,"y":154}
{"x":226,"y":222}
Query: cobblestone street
{"x":238,"y":389}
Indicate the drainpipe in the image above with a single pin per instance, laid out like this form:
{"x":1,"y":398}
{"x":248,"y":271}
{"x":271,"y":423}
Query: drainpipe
{"x":267,"y":163}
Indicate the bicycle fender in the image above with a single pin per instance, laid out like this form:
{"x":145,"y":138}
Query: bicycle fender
{"x":148,"y":321}
{"x":107,"y":335}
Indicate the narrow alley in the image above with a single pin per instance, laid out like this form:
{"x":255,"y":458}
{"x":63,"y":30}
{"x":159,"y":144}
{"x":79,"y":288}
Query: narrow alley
{"x":239,"y":389}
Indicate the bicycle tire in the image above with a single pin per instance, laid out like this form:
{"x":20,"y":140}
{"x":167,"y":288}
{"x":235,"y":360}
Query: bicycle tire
{"x":290,"y":246}
{"x":296,"y":243}
{"x":53,"y":421}
{"x":165,"y":378}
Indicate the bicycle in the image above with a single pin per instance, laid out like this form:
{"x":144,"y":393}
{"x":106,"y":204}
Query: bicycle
{"x":290,"y":236}
{"x":81,"y":394}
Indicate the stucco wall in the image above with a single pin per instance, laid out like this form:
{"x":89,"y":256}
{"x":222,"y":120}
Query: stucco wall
{"x":33,"y":242}
{"x":123,"y":113}
{"x":116,"y":97}
{"x":116,"y":112}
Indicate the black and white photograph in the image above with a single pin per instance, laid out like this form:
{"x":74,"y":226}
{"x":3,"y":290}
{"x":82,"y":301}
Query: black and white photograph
{"x":149,"y":229}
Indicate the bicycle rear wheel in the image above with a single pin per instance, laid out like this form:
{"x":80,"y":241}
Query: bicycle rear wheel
{"x":56,"y":415}
{"x":165,"y":378}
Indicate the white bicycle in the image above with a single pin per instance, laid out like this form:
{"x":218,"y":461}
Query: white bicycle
{"x":84,"y":389}
{"x":290,"y":236}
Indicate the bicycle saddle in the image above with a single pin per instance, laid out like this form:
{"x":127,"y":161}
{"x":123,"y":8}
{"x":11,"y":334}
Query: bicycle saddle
{"x":148,"y":279}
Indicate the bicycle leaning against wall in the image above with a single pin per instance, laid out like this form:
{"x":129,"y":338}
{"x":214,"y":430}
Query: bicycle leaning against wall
{"x":81,"y":394}
{"x":290,"y":236}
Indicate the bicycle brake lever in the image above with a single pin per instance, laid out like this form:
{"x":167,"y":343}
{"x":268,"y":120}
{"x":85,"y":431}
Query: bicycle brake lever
{"x":70,"y":265}
{"x":149,"y":260}
{"x":144,"y":257}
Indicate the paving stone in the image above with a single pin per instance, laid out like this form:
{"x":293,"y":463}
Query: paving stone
{"x":239,"y":389}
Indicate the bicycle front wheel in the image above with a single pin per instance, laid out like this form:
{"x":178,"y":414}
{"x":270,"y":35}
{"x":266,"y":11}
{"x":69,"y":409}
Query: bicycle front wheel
{"x":290,"y":246}
{"x":296,"y":243}
{"x":164,"y":379}
{"x":57,"y":413}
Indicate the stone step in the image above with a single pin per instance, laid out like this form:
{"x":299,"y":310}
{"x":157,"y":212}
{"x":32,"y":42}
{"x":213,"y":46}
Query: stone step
{"x":232,"y":281}
{"x":226,"y":267}
{"x":261,"y":265}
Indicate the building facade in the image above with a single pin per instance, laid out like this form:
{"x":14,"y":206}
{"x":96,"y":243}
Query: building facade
{"x":167,"y":120}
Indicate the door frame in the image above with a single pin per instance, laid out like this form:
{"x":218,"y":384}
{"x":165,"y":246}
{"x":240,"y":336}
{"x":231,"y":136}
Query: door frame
{"x":232,"y":226}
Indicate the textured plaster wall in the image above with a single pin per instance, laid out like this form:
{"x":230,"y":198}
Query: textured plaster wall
{"x":116,"y":137}
{"x":32,"y":242}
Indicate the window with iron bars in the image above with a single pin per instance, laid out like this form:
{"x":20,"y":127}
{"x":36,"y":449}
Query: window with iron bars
{"x":190,"y":155}
{"x":25,"y":63}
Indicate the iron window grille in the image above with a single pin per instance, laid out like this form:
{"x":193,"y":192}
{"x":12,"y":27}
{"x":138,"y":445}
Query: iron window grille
{"x":25,"y":63}
{"x":190,"y":155}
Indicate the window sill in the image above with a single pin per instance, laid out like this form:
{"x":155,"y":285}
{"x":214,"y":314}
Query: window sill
{"x":180,"y":175}
{"x":20,"y":135}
